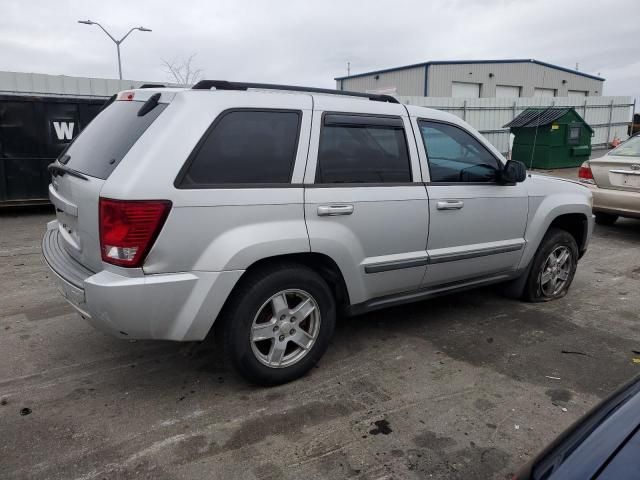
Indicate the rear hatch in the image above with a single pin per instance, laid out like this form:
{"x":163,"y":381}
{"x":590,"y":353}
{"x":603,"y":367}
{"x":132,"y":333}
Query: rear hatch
{"x":83,"y":168}
{"x":620,"y":168}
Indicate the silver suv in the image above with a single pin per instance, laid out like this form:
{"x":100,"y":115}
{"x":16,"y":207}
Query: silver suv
{"x":270,"y":209}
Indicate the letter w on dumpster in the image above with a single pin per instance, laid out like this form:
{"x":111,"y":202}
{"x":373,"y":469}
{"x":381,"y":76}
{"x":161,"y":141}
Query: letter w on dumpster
{"x":64,"y":130}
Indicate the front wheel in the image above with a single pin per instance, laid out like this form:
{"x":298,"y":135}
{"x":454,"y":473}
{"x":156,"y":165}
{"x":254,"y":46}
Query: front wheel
{"x":554,"y":267}
{"x":278,"y":324}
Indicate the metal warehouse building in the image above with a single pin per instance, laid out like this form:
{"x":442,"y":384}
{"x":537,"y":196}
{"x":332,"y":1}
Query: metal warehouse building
{"x":476,"y":79}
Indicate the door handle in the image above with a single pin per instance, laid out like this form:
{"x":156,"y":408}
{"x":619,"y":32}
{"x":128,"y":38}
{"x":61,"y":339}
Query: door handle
{"x":333,"y":210}
{"x":450,"y":204}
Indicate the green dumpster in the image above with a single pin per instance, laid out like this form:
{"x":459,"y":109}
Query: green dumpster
{"x":554,"y":137}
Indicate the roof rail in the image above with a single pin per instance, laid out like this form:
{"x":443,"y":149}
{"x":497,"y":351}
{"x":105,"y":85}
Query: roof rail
{"x":225,"y":85}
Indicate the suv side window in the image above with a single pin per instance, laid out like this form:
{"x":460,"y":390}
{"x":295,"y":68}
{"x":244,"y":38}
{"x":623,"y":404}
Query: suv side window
{"x":456,"y":156}
{"x":362,"y":149}
{"x":245,"y":147}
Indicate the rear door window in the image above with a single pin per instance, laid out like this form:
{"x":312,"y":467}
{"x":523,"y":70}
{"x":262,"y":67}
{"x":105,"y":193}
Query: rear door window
{"x":362,"y":149}
{"x":107,"y":139}
{"x":245,"y":147}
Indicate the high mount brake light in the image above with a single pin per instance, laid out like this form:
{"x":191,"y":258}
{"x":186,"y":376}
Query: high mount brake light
{"x":128,"y":229}
{"x":126,"y":96}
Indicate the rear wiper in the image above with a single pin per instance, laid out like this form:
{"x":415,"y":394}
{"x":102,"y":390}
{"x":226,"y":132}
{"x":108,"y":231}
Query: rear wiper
{"x":56,"y":169}
{"x":149,"y":105}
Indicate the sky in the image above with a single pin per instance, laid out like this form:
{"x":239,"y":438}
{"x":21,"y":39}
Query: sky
{"x":310,"y":42}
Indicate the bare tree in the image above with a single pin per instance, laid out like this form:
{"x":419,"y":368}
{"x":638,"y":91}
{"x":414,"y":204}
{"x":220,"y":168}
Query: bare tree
{"x":182,"y":71}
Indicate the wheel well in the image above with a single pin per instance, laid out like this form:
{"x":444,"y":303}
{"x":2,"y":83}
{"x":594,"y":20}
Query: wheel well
{"x":574,"y":223}
{"x":320,"y":263}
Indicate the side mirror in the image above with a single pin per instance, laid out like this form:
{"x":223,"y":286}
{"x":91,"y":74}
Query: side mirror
{"x":513,"y":172}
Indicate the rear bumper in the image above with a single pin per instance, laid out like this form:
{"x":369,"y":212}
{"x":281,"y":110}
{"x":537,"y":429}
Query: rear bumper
{"x":176,"y":306}
{"x":69,"y":274}
{"x":617,"y":202}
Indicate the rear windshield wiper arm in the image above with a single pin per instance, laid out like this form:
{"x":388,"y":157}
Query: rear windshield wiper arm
{"x":56,"y":168}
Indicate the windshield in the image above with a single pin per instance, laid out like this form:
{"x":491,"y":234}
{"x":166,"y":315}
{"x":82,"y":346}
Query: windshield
{"x":107,"y":139}
{"x":630,"y":148}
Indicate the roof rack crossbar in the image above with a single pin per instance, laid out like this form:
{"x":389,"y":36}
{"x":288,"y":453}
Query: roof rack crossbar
{"x":225,"y":85}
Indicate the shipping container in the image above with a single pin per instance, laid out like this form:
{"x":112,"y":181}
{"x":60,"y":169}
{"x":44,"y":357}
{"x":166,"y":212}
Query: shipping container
{"x":34,"y":130}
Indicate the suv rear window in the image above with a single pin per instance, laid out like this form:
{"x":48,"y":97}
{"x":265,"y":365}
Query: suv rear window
{"x":245,"y":147}
{"x":107,"y":139}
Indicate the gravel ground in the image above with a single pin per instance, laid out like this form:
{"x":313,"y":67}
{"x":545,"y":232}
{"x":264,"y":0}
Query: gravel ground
{"x":464,"y":387}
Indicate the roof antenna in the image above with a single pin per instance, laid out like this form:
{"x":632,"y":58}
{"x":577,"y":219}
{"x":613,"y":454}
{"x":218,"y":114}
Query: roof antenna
{"x":577,"y":66}
{"x":348,"y":69}
{"x":535,"y":135}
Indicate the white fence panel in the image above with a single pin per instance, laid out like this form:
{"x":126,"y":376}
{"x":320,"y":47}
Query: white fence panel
{"x":608,"y":116}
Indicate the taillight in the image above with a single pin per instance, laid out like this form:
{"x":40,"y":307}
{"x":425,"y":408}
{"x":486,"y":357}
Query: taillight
{"x":129,"y":228}
{"x":585,"y":173}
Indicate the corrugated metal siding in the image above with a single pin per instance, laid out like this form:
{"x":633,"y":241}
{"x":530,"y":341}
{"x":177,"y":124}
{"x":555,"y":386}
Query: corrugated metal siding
{"x":409,"y":81}
{"x":42,"y":84}
{"x":489,"y":114}
{"x":527,"y":75}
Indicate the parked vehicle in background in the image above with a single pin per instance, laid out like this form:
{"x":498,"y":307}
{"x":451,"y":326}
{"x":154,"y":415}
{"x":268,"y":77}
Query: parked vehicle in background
{"x":602,"y":445}
{"x":635,"y":125}
{"x":614,"y":180}
{"x":269,"y":209}
{"x":33,"y":132}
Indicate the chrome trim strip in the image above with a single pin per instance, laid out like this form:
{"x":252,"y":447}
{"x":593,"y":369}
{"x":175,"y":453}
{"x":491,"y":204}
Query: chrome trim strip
{"x":452,"y":257}
{"x":442,"y":258}
{"x":396,"y":265}
{"x":626,"y":172}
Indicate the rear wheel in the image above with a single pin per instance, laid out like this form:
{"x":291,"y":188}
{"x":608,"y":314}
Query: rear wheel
{"x":278,"y":324}
{"x":553,"y":268}
{"x":605,"y":218}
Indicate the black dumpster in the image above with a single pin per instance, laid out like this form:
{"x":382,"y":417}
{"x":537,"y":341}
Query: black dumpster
{"x":33,"y":132}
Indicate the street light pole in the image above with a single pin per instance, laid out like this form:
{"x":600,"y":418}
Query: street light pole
{"x":119,"y":62}
{"x":117,"y":42}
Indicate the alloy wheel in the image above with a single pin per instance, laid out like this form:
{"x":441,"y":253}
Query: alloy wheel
{"x":285,"y":328}
{"x":555,"y":271}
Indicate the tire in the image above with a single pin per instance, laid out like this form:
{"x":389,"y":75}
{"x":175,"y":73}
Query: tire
{"x":251,"y":315}
{"x":558,"y":276}
{"x":605,"y":218}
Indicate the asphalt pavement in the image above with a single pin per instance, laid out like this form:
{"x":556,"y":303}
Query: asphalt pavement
{"x":468,"y":386}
